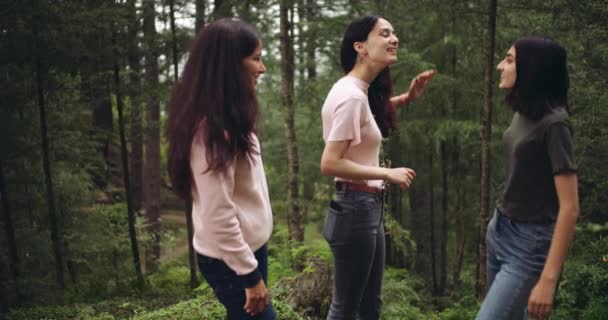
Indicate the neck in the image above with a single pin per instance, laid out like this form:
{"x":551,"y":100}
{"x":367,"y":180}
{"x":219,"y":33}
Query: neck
{"x":366,"y":72}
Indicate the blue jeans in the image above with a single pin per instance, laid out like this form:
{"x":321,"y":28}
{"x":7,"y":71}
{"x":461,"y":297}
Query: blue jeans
{"x":229,"y":288}
{"x":355,"y":232}
{"x":516,"y":254}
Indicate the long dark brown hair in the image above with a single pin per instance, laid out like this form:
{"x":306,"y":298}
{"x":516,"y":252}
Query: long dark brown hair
{"x":542,"y":78}
{"x":213,"y":98}
{"x":381,"y":89}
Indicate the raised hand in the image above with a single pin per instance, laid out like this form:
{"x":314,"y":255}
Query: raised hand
{"x":416,"y":88}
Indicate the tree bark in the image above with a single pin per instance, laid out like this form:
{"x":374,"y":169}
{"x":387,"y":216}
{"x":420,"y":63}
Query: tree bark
{"x":431,"y":196}
{"x":443,"y":242}
{"x":199,"y":19}
{"x":287,"y":75}
{"x":188,"y":205}
{"x":311,"y":36}
{"x":486,"y":135}
{"x":126,"y":176}
{"x":50,"y":197}
{"x":135,"y":88}
{"x":7,"y":219}
{"x":222,"y":9}
{"x":152,"y":163}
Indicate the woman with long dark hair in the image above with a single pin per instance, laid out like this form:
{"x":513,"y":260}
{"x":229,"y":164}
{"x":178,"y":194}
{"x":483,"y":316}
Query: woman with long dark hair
{"x":527,"y":239}
{"x":357,"y":113}
{"x":215,"y":163}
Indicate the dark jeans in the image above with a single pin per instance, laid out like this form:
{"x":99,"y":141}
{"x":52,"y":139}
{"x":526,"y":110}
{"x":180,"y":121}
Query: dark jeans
{"x":355,"y":232}
{"x":229,"y":288}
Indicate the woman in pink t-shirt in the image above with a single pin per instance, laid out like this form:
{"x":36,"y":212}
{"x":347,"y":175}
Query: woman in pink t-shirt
{"x":357,"y":113}
{"x":215,"y":163}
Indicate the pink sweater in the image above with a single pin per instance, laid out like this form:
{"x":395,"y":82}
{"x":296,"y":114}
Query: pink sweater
{"x":231,"y":209}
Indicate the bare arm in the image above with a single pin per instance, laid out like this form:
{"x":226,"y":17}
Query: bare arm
{"x":334,"y":164}
{"x":415,"y":90}
{"x":541,"y":298}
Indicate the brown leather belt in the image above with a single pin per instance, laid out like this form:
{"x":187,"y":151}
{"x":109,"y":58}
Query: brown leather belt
{"x":349,"y":186}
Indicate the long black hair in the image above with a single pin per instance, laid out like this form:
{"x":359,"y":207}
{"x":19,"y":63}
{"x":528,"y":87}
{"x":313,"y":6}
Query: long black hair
{"x":542,"y":80}
{"x":381,"y":89}
{"x":215,"y":98}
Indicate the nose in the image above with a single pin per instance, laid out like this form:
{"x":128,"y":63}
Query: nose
{"x":499,"y":67}
{"x":395,"y":40}
{"x":262,"y":68}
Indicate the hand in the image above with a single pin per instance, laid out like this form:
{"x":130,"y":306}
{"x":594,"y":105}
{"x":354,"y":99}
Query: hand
{"x":257,"y":298}
{"x":418,"y":85}
{"x":401,"y":176}
{"x":540,"y":302}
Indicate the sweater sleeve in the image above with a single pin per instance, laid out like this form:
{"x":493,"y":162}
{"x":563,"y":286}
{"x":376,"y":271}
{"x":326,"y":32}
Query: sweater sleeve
{"x":214,"y":192}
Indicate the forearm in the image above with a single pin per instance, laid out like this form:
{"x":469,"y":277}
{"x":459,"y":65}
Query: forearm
{"x":347,"y":169}
{"x":562,"y":235}
{"x":399,"y":100}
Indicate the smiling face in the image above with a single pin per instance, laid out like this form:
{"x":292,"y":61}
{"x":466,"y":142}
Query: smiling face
{"x":253,"y":64}
{"x":507,"y":69}
{"x":381,"y":44}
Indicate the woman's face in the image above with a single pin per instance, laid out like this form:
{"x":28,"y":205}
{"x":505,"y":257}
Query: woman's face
{"x":253,"y":64}
{"x":381,"y":44}
{"x":508,"y":73}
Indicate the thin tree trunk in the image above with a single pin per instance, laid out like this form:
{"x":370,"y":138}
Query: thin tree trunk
{"x":222,"y":9}
{"x":311,"y":35}
{"x":50,"y":197}
{"x":459,"y":217}
{"x":486,"y":135}
{"x":126,"y":177}
{"x":443,"y":263}
{"x":7,"y":219}
{"x":152,"y":163}
{"x":287,"y":75}
{"x":133,"y":56}
{"x":432,"y":219}
{"x":188,"y":205}
{"x":199,"y":19}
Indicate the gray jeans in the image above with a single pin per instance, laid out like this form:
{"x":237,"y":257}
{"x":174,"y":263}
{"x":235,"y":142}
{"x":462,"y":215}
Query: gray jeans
{"x":355,"y":231}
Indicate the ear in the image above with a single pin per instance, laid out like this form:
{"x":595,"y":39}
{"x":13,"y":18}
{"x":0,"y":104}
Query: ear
{"x":360,"y":48}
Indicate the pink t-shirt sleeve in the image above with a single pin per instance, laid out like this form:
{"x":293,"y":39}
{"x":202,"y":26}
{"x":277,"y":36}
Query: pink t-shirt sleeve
{"x":347,"y":120}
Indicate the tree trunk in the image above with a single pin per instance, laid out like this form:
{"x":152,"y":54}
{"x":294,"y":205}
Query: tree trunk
{"x":188,"y":205}
{"x":199,"y":19}
{"x":486,"y":134}
{"x":311,"y":36}
{"x":459,"y":217}
{"x":7,"y":219}
{"x":287,"y":75}
{"x":50,"y":197}
{"x":135,"y":88}
{"x":126,"y":176}
{"x":222,"y":9}
{"x":152,"y":163}
{"x":431,"y":196}
{"x":443,"y":253}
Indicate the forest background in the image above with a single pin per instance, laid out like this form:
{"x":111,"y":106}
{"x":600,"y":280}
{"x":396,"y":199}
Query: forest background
{"x":90,"y":226}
